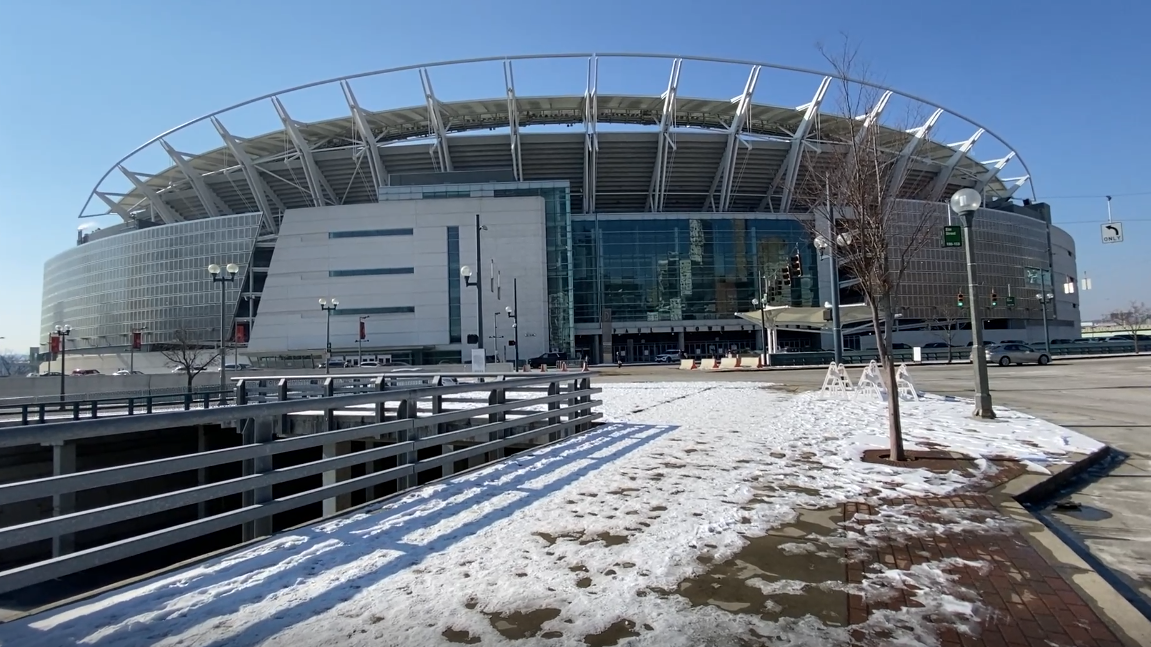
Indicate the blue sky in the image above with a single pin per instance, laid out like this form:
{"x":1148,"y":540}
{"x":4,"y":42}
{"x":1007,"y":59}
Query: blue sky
{"x":83,"y":83}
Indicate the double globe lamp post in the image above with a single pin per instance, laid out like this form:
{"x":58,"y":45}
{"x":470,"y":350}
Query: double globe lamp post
{"x":228,"y":275}
{"x":328,"y":307}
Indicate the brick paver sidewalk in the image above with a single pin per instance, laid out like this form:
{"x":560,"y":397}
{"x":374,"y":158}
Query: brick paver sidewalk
{"x":1030,"y":603}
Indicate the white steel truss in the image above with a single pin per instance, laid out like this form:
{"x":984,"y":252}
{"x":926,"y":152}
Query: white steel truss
{"x":788,"y":173}
{"x":725,"y":174}
{"x":256,"y":184}
{"x":317,"y":185}
{"x":436,"y":126}
{"x":114,"y":206}
{"x":1016,"y":183}
{"x":166,"y":213}
{"x":213,"y":205}
{"x":591,"y":139}
{"x":941,"y":180}
{"x":899,"y":174}
{"x":993,"y":169}
{"x":868,"y":120}
{"x":513,"y":121}
{"x":371,"y":145}
{"x":666,"y":143}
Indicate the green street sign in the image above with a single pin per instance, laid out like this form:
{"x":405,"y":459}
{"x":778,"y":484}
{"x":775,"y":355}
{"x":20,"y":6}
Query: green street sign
{"x":1010,"y":302}
{"x":952,"y":236}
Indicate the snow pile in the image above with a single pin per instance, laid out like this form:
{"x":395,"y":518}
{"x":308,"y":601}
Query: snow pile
{"x":592,"y":540}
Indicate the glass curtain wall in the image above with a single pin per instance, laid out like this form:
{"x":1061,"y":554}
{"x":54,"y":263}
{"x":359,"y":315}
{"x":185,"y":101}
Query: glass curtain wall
{"x":674,"y":269}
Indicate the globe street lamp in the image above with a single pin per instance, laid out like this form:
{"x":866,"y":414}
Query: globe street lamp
{"x":762,"y":305}
{"x":513,"y":312}
{"x":328,"y":309}
{"x":966,"y":202}
{"x":228,"y":275}
{"x":1045,"y":298}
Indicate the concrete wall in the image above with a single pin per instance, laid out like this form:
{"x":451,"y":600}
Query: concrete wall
{"x":290,"y":318}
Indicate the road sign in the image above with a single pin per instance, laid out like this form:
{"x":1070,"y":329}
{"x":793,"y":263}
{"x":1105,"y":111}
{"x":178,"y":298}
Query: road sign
{"x":952,"y":236}
{"x":1112,"y":232}
{"x":1010,"y":302}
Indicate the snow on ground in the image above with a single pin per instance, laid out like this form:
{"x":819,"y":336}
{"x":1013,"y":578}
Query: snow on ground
{"x":592,"y":540}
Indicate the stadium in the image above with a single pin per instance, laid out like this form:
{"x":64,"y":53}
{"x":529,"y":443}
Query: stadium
{"x":597,"y":222}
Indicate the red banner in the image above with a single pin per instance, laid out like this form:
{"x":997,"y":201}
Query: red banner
{"x":54,"y":343}
{"x":241,"y":333}
{"x":136,"y":337}
{"x":363,"y":331}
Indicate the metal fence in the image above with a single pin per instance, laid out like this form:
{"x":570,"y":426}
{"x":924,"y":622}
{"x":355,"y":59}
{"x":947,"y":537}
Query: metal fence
{"x":958,"y":353}
{"x":402,"y":414}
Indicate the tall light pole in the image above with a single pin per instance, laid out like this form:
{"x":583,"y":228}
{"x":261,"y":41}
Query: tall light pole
{"x":966,"y":202}
{"x":496,"y":335}
{"x":328,"y":310}
{"x":761,"y":303}
{"x":514,"y":314}
{"x":223,"y":278}
{"x":62,"y":333}
{"x":1045,"y":298}
{"x":467,"y":273}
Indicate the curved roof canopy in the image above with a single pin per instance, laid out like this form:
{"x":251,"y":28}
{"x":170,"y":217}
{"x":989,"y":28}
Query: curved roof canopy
{"x":663,"y":153}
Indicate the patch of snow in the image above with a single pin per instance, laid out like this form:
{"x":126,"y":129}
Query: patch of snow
{"x":601,"y":528}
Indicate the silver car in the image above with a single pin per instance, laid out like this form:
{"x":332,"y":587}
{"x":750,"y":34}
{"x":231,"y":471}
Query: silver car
{"x":1008,"y":354}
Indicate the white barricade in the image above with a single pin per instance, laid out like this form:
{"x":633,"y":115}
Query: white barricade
{"x":871,"y":382}
{"x":836,"y":381}
{"x":904,"y":385}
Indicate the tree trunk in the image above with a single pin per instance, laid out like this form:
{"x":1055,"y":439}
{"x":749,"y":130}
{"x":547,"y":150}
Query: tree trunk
{"x":191,"y":376}
{"x":1135,"y":338}
{"x":883,"y":345}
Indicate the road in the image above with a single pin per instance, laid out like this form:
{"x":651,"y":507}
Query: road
{"x":1108,"y":399}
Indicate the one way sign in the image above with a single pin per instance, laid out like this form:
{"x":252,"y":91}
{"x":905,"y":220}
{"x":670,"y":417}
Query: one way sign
{"x":1112,"y":232}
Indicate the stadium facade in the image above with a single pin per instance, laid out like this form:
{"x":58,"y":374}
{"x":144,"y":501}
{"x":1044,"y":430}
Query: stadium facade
{"x":607,"y":223}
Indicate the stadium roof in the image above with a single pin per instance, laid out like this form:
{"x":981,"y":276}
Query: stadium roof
{"x":669,"y":153}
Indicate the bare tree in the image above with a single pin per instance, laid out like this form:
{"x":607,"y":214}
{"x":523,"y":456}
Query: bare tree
{"x":1134,"y":318}
{"x":948,"y":320}
{"x":858,"y":172}
{"x":13,"y":364}
{"x":190,"y":355}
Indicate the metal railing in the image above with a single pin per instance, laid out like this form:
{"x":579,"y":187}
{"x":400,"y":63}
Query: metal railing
{"x":400,"y":419}
{"x":48,"y":411}
{"x":958,"y":354}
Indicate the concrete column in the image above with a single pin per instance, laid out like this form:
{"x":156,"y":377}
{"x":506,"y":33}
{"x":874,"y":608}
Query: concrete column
{"x":202,"y":473}
{"x":334,"y":505}
{"x":682,"y":342}
{"x":258,"y":431}
{"x":63,"y":462}
{"x":631,"y":350}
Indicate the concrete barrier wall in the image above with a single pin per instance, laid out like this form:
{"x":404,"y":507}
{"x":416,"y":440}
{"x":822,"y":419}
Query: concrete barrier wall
{"x":687,"y":364}
{"x":729,"y":362}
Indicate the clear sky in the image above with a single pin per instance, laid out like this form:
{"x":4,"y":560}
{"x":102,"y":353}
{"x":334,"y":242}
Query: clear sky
{"x":83,"y":83}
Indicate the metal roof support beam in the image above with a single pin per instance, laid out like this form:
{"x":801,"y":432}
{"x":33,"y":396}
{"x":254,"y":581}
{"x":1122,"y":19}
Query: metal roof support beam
{"x":724,"y":174}
{"x":317,"y":185}
{"x":213,"y":205}
{"x":256,"y":184}
{"x":167,"y":214}
{"x":371,"y":146}
{"x":993,"y":169}
{"x":904,"y":162}
{"x":115,"y":206}
{"x":868,"y":120}
{"x":788,"y":173}
{"x":436,"y":123}
{"x":941,"y":180}
{"x":1017,"y":182}
{"x":513,"y":121}
{"x":591,"y":139}
{"x":659,"y":176}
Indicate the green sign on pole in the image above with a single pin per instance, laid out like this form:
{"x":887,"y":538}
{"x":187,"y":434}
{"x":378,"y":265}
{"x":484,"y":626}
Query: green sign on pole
{"x":1010,"y":302}
{"x":952,"y":236}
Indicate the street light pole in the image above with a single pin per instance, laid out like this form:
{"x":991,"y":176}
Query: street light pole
{"x":62,"y":333}
{"x":360,"y":341}
{"x":132,"y":347}
{"x":514,"y":315}
{"x":966,"y":202}
{"x":833,"y":261}
{"x":472,"y":280}
{"x":223,"y":278}
{"x":1044,"y":299}
{"x":328,"y":309}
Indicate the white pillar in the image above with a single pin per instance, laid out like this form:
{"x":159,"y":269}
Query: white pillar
{"x":63,"y":462}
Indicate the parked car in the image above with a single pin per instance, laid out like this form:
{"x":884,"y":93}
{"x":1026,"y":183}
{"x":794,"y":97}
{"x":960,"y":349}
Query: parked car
{"x":1062,"y":341}
{"x":668,"y":358}
{"x":369,"y":363}
{"x":936,"y":344}
{"x":549,"y":359}
{"x":85,"y":371}
{"x":335,"y":363}
{"x":1008,"y":354}
{"x":125,"y":371}
{"x":1012,"y":341}
{"x":900,"y":346}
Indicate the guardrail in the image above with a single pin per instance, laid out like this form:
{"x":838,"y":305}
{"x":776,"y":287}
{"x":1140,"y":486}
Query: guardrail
{"x":435,"y":412}
{"x":43,"y":412}
{"x":958,"y":353}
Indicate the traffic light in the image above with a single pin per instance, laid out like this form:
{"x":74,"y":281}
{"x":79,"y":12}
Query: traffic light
{"x":797,"y":266}
{"x":994,"y":299}
{"x":786,"y":272}
{"x":959,"y":300}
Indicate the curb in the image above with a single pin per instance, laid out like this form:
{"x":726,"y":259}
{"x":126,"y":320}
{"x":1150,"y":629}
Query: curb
{"x":1127,"y":622}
